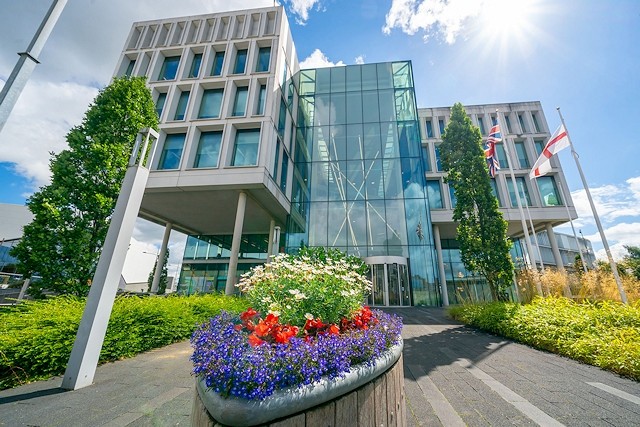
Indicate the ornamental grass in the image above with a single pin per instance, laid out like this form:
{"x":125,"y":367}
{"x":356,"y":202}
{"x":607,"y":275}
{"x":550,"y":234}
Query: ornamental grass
{"x":307,"y":321}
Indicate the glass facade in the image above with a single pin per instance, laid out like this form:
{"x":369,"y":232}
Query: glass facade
{"x":206,"y":261}
{"x":359,"y":183}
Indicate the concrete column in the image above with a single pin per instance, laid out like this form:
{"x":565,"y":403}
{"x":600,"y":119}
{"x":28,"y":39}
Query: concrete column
{"x":160,"y":261}
{"x":23,"y":289}
{"x":272,"y":226}
{"x":276,"y":241}
{"x":554,"y":247}
{"x":235,"y":244}
{"x":443,"y":280}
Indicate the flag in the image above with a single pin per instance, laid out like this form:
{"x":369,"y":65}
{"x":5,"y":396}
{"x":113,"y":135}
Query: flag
{"x":490,"y":150}
{"x":558,"y":141}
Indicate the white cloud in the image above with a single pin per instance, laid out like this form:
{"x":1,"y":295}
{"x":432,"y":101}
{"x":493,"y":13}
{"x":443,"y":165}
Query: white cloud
{"x":618,"y":207}
{"x":433,"y":17}
{"x":43,"y":115}
{"x":301,"y":9}
{"x":317,"y":59}
{"x":359,"y":59}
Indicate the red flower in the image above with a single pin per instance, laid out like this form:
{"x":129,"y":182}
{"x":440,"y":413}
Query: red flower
{"x":255,"y":341}
{"x":334,"y":330}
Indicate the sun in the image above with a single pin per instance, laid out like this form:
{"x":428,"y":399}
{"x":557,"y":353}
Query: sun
{"x":504,"y":20}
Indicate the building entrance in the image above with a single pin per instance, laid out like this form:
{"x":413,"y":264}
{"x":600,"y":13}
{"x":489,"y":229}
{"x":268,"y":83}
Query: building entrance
{"x":390,"y":278}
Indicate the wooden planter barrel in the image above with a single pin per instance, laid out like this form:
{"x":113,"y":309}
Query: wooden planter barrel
{"x":375,"y":401}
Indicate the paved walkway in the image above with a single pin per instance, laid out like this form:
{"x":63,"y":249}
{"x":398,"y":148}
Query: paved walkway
{"x":453,"y":376}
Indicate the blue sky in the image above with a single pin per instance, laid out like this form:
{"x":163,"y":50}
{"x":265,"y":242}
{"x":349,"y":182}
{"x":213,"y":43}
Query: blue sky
{"x":583,"y":56}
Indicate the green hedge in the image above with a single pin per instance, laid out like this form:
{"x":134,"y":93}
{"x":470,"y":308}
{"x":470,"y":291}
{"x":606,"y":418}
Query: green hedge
{"x":604,"y":334}
{"x":36,"y":337}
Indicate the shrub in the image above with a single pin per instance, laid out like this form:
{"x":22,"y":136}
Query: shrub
{"x":36,"y":337}
{"x":295,"y":287}
{"x":604,"y":334}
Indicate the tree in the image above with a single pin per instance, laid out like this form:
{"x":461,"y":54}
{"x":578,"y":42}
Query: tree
{"x":164,"y":278}
{"x":72,"y":213}
{"x":631,"y":261}
{"x":482,"y":232}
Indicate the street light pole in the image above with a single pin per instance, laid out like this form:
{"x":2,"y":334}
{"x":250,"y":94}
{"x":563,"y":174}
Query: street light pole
{"x":27,"y":62}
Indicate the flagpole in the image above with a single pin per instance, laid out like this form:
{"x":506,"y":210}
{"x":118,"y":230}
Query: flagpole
{"x":612,"y":263}
{"x":566,"y":205}
{"x":518,"y":201}
{"x":535,"y":236}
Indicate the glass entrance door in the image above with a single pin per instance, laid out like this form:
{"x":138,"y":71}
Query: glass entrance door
{"x":390,"y":278}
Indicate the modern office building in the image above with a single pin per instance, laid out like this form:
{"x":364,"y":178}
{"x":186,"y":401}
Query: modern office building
{"x":256,"y":156}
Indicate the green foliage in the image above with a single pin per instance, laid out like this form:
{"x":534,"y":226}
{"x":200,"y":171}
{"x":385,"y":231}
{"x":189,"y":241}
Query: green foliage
{"x":36,"y":337}
{"x":604,"y":334}
{"x":631,"y":261}
{"x":322,"y":284}
{"x":481,"y":232}
{"x":63,"y":243}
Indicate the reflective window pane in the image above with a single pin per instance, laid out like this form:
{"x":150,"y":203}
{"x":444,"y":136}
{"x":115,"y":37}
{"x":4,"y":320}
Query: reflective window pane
{"x":181,"y":109}
{"x":240,"y":102}
{"x":169,"y":68}
{"x":172,"y":151}
{"x":241,"y":62}
{"x":548,"y":191}
{"x":208,"y":150}
{"x":245,"y":151}
{"x":434,"y":194}
{"x":218,"y":59}
{"x":195,"y":65}
{"x":264,"y":56}
{"x":210,"y":104}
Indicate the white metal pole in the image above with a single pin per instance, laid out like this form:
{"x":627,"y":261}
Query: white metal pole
{"x":612,"y":263}
{"x":85,"y":353}
{"x":27,"y":62}
{"x":566,"y":205}
{"x":527,"y":240}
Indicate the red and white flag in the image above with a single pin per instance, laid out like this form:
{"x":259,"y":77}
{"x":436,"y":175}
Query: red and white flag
{"x":558,"y":141}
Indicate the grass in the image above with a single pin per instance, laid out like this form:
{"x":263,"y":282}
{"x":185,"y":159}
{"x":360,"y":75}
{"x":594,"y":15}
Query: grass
{"x":604,"y":334}
{"x":36,"y":337}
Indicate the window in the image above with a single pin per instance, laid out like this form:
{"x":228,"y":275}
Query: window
{"x":429,"y":128}
{"x":452,"y":195}
{"x":264,"y":55}
{"x":524,"y":192}
{"x":182,"y":105}
{"x":162,"y":98}
{"x":502,"y":156}
{"x":522,"y":126}
{"x":218,"y":59}
{"x":508,"y":122}
{"x":536,"y":125}
{"x":195,"y":65}
{"x":282,"y":118}
{"x":262,"y":97}
{"x":208,"y":150}
{"x":241,"y":62}
{"x":274,"y":173}
{"x":169,"y":68}
{"x":129,"y":71}
{"x":522,"y":154}
{"x":441,"y":126}
{"x":539,"y":144}
{"x":438,"y":162}
{"x":283,"y":172}
{"x":494,"y":190}
{"x":240,"y":102}
{"x":245,"y":149}
{"x":210,"y":105}
{"x":427,"y":160}
{"x":434,"y":194}
{"x":481,"y":126}
{"x":172,"y":151}
{"x":548,"y":191}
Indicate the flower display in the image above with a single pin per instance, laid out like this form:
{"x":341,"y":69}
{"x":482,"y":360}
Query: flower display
{"x":306,"y":321}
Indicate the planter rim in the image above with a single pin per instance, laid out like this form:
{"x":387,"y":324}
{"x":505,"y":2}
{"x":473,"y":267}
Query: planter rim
{"x":235,"y":411}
